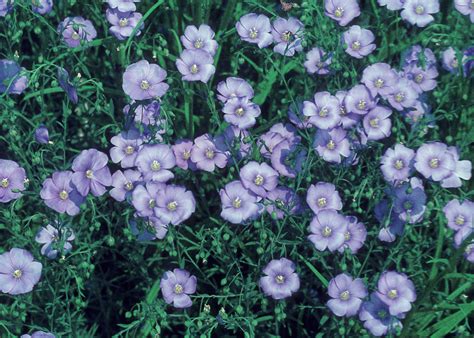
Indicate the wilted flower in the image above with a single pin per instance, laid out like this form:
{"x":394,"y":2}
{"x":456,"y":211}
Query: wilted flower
{"x":255,"y":28}
{"x":12,"y":180}
{"x":280,"y":280}
{"x":465,"y":7}
{"x":42,"y":135}
{"x":323,"y":196}
{"x":258,"y":178}
{"x":19,"y":273}
{"x":60,"y":195}
{"x":403,"y":95}
{"x":390,"y":220}
{"x":241,"y":112}
{"x":376,"y":317}
{"x":146,"y":114}
{"x":359,"y":100}
{"x":206,"y":155}
{"x":51,"y":239}
{"x":331,"y":145}
{"x":343,"y":11}
{"x":409,"y":200}
{"x":317,"y":61}
{"x":199,"y":38}
{"x":397,"y":163}
{"x":418,"y":12}
{"x":153,"y":229}
{"x":276,"y":135}
{"x":324,"y":111}
{"x":348,"y":119}
{"x":462,"y":170}
{"x":123,"y":184}
{"x":295,"y":115}
{"x":75,"y":30}
{"x":284,"y":200}
{"x":10,"y":79}
{"x":420,"y":56}
{"x":433,"y":160}
{"x":233,"y":141}
{"x":143,"y":81}
{"x":42,"y":6}
{"x":347,"y":294}
{"x":327,"y":230}
{"x":238,"y":203}
{"x":359,"y":42}
{"x":176,"y":286}
{"x":287,"y":35}
{"x":393,"y":5}
{"x":123,"y":23}
{"x":234,"y":87}
{"x":123,"y":5}
{"x":287,"y":158}
{"x":195,"y":65}
{"x":355,"y":235}
{"x":144,"y":198}
{"x":153,"y":161}
{"x":450,"y":60}
{"x":380,"y":79}
{"x":459,"y":214}
{"x":66,"y":84}
{"x":377,"y":123}
{"x":397,"y":291}
{"x":91,"y":172}
{"x":174,"y":204}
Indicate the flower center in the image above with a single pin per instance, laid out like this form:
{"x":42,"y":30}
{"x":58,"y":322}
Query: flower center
{"x":194,"y":69}
{"x":172,"y":206}
{"x":258,"y":180}
{"x":5,"y":183}
{"x":419,"y":78}
{"x":178,"y":289}
{"x":347,"y":235}
{"x":323,"y":112}
{"x":128,"y":186}
{"x":434,"y":163}
{"x":186,"y":154}
{"x":322,"y":202}
{"x":356,"y":45}
{"x":75,"y":35}
{"x":155,"y":165}
{"x":280,"y":279}
{"x":379,"y":83}
{"x":362,"y":104}
{"x":129,"y":150}
{"x":374,"y":123}
{"x":408,"y":205}
{"x":253,"y":33}
{"x":123,"y":22}
{"x":339,"y":12}
{"x":399,"y":164}
{"x":419,"y":9}
{"x":392,"y":294}
{"x":345,"y":295}
{"x":17,"y":274}
{"x":331,"y":145}
{"x":286,"y":36}
{"x":239,"y":111}
{"x":198,"y":43}
{"x":237,"y":203}
{"x":400,"y":97}
{"x":151,"y":203}
{"x":460,"y":220}
{"x":455,"y":63}
{"x":326,"y":231}
{"x":144,"y":85}
{"x":89,"y":173}
{"x":63,"y":195}
{"x":209,"y":153}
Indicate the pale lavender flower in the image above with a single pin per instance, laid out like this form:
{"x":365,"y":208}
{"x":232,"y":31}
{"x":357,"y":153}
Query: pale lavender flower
{"x":377,"y":123}
{"x":11,"y":80}
{"x":465,"y":7}
{"x":318,"y":61}
{"x":423,"y":80}
{"x":462,"y":170}
{"x":433,"y":160}
{"x":323,"y":112}
{"x":76,"y":30}
{"x":323,"y":196}
{"x":206,"y":155}
{"x":127,"y":146}
{"x":234,"y":87}
{"x":123,"y":23}
{"x":174,"y":204}
{"x":176,"y":286}
{"x":376,"y":317}
{"x":54,"y":241}
{"x":359,"y":100}
{"x":182,"y":151}
{"x":144,"y":198}
{"x":12,"y":180}
{"x":256,"y":29}
{"x":379,"y":78}
{"x":346,"y":294}
{"x":343,"y":11}
{"x":276,"y":135}
{"x":19,"y":273}
{"x":143,"y":81}
{"x":284,"y":200}
{"x":123,"y":184}
{"x":123,"y":5}
{"x":393,"y":5}
{"x":154,"y":162}
{"x":418,"y":12}
{"x":238,"y":203}
{"x":42,"y":6}
{"x":348,"y":120}
{"x":403,"y":95}
{"x":355,"y":235}
{"x":287,"y":35}
{"x":241,"y":112}
{"x":201,"y":38}
{"x":42,"y":135}
{"x":5,"y":7}
{"x":258,"y":178}
{"x":327,"y":230}
{"x":397,"y":291}
{"x":60,"y":194}
{"x":450,"y":60}
{"x":359,"y":41}
{"x":195,"y":65}
{"x":459,"y":215}
{"x":397,"y":163}
{"x":280,"y":280}
{"x":38,"y":334}
{"x":91,"y":172}
{"x":331,"y":145}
